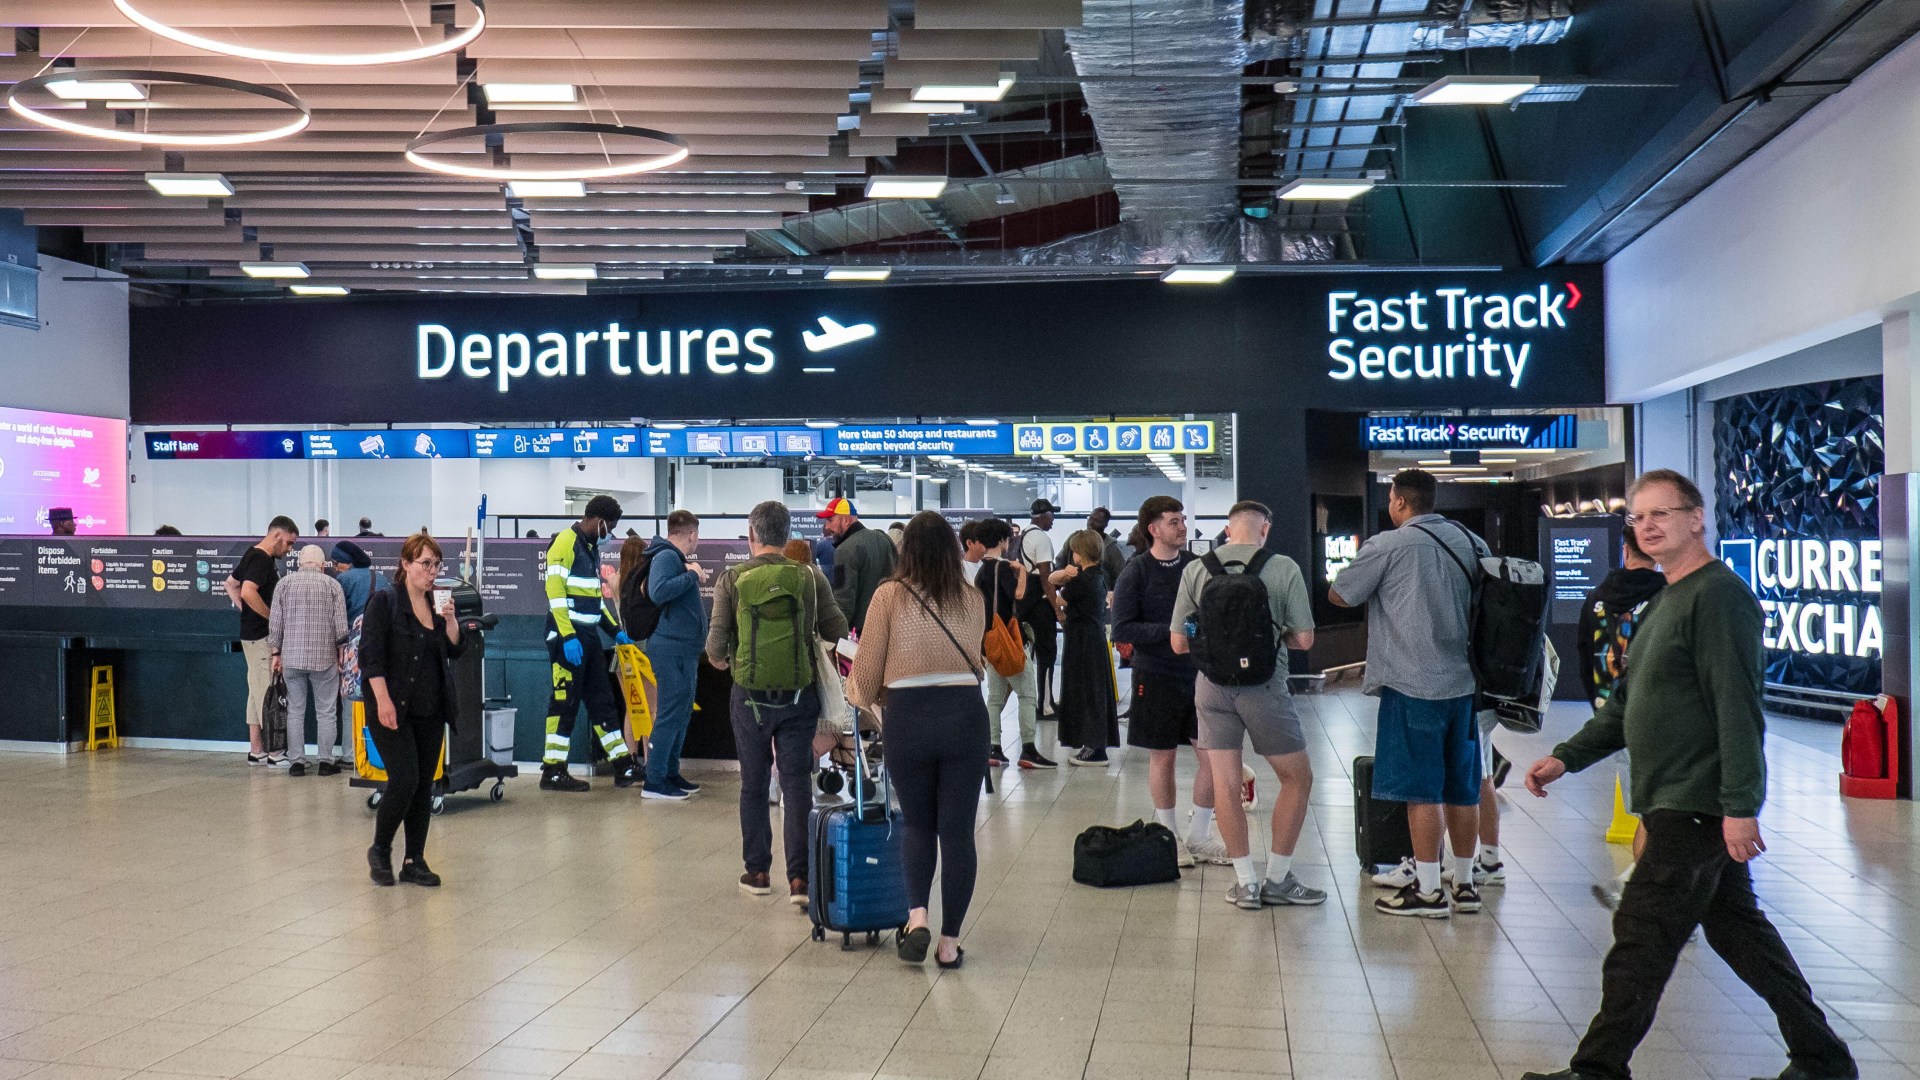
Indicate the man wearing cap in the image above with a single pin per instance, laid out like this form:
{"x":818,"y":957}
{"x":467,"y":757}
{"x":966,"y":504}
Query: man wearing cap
{"x":60,"y":520}
{"x":578,"y":613}
{"x":862,"y":559}
{"x":1036,"y":551}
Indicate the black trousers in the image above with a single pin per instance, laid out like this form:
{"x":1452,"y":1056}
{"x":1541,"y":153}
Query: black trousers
{"x":411,"y":754}
{"x":1685,"y":879}
{"x":936,"y":752}
{"x":766,"y":725}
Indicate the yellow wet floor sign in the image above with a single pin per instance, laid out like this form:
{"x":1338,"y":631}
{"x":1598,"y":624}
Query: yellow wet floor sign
{"x":1623,"y":826}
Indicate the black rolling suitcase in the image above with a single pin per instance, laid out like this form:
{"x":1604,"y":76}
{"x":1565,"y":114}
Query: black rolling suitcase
{"x":1379,"y":825}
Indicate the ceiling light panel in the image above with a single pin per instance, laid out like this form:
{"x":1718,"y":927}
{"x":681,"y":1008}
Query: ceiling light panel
{"x":859,"y":273}
{"x":318,"y":290}
{"x":547,"y":189}
{"x":566,"y":271}
{"x":275,"y":270}
{"x":1474,"y":89}
{"x":906,"y":187}
{"x":201,"y":185}
{"x":1323,"y":189}
{"x":1197,"y":275}
{"x":505,"y":94}
{"x":84,"y":90}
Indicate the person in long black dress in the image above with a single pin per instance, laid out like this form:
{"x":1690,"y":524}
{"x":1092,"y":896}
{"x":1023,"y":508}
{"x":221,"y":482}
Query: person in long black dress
{"x":406,"y":649}
{"x":1088,"y":715}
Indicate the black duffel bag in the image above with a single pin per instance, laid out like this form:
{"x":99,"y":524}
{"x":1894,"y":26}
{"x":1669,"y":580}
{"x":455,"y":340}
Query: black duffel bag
{"x":1139,"y":854}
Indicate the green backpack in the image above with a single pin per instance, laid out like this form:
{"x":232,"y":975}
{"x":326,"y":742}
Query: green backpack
{"x":771,"y":637}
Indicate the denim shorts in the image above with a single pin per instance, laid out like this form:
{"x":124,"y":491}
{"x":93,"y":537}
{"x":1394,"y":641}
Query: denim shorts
{"x":1426,"y":751}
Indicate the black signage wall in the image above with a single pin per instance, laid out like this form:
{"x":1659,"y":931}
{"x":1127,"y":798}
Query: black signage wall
{"x":1265,"y":347}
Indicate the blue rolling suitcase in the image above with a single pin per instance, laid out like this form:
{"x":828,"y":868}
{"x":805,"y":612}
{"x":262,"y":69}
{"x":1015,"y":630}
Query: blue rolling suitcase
{"x":857,"y":881}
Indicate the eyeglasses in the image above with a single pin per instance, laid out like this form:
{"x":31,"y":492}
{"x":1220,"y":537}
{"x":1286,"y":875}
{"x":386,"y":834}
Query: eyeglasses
{"x":433,"y":565}
{"x":1658,"y":515}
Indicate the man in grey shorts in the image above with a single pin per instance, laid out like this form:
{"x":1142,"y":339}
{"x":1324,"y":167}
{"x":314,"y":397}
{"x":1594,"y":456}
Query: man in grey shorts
{"x":1264,"y":714}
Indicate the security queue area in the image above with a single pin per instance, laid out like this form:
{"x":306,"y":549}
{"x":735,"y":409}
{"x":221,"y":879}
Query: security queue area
{"x":1316,"y":539}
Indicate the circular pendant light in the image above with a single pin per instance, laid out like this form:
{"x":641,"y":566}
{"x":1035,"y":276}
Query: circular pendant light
{"x":510,"y":173}
{"x":283,"y":56}
{"x":50,"y":118}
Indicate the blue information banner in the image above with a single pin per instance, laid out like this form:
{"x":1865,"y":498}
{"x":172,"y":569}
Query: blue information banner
{"x":1559,"y":431}
{"x":854,"y":440}
{"x":395,"y":443}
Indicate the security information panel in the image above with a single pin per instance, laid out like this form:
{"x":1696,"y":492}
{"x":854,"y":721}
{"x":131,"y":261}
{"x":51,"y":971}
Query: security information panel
{"x":1488,"y":340}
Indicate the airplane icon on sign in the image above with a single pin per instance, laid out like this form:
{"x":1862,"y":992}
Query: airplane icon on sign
{"x":832,"y":335}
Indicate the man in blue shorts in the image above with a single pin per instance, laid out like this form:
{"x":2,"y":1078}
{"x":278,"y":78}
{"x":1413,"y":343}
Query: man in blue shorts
{"x":1427,"y":747}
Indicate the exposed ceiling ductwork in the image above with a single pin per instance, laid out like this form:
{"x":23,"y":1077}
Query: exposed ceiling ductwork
{"x":1167,"y":130}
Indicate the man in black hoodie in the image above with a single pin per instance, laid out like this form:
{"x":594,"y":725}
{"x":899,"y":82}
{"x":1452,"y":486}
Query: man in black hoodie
{"x":1612,"y":612}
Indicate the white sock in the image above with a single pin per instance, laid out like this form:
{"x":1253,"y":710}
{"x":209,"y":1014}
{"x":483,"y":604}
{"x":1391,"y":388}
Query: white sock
{"x":1490,"y":854}
{"x":1243,"y":869}
{"x":1427,"y":876}
{"x":1202,"y":824}
{"x":1164,"y":817}
{"x":1627,"y":873}
{"x":1463,"y":870}
{"x":1278,"y":867}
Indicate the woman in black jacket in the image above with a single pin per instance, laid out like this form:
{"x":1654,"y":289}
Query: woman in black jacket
{"x":405,"y":653}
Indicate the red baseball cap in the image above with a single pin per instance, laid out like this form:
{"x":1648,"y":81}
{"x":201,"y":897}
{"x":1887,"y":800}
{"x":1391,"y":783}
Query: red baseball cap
{"x":836,"y":507}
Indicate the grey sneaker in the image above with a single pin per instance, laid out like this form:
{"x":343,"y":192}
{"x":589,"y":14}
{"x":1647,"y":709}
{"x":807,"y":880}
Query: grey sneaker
{"x":1209,"y":850}
{"x":1290,"y":891}
{"x":1244,"y":897}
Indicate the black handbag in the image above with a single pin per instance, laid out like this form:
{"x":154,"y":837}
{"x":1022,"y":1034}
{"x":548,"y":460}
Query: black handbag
{"x":1139,"y":854}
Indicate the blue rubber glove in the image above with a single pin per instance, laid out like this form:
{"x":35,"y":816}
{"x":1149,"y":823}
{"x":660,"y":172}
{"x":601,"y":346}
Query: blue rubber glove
{"x":575,"y":652}
{"x":621,"y":638}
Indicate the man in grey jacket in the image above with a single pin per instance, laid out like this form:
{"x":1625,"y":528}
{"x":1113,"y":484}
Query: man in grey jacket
{"x":862,"y":559}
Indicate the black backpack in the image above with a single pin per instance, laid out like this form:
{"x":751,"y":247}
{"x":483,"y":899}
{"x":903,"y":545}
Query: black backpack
{"x":1236,"y":643}
{"x":639,"y":615}
{"x":1143,"y":853}
{"x":1506,"y":622}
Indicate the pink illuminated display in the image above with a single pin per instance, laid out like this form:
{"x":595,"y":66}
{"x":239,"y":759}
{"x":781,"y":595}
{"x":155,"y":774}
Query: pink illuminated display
{"x":50,"y":459}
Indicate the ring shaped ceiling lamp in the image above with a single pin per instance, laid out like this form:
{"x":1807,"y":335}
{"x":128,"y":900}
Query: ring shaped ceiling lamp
{"x":283,"y":56}
{"x":509,"y":173}
{"x":152,"y":138}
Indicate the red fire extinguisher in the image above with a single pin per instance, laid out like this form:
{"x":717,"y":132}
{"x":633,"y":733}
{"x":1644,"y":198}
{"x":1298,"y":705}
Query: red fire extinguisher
{"x":1868,"y":752}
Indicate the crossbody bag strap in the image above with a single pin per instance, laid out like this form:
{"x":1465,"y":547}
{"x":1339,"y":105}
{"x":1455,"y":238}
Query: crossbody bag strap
{"x":1451,"y":555}
{"x":941,"y":623}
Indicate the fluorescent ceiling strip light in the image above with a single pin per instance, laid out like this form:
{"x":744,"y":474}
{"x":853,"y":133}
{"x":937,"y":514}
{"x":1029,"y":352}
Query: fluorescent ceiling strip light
{"x":850,"y":462}
{"x":566,"y":271}
{"x":275,"y":269}
{"x":965,"y":91}
{"x":981,"y":423}
{"x":79,"y":89}
{"x":203,"y":185}
{"x":933,"y":479}
{"x":823,"y":425}
{"x":1323,"y":189}
{"x":859,"y":273}
{"x":906,"y":187}
{"x":1474,"y":89}
{"x":318,"y":290}
{"x":668,"y":425}
{"x":547,"y":189}
{"x":1197,"y":275}
{"x":506,"y":93}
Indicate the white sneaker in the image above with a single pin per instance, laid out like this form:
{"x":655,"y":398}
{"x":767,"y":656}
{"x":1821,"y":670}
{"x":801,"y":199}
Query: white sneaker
{"x":1399,"y":877}
{"x":1182,"y":857}
{"x":1209,"y":850}
{"x":278,"y":762}
{"x":1483,"y":875}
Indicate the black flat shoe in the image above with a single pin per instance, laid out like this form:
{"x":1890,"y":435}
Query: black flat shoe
{"x":959,"y":957}
{"x":414,"y":872}
{"x":912,"y":945}
{"x":380,"y":865}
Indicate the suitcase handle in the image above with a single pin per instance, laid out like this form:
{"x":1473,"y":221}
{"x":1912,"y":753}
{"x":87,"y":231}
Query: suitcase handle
{"x":828,"y":880}
{"x":859,"y":775}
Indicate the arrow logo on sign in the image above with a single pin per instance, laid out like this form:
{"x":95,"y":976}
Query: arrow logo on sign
{"x":1573,"y":291}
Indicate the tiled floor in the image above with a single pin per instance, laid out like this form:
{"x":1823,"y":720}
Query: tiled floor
{"x":180,"y":914}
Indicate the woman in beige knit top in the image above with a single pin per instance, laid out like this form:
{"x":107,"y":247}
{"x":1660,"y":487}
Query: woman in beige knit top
{"x":920,"y":660}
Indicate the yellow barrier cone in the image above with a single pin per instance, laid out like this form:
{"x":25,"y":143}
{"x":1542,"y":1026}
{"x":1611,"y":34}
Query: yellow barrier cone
{"x":1621,"y":829}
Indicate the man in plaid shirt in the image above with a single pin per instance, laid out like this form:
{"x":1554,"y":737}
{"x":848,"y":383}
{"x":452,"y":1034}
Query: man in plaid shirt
{"x":306,"y":627}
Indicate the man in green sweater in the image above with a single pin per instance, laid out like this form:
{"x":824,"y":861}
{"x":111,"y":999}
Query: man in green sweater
{"x":1688,"y":709}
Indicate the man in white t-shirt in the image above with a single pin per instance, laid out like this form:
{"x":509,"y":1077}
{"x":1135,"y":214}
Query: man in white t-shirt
{"x":1036,"y":553}
{"x":971,"y":551}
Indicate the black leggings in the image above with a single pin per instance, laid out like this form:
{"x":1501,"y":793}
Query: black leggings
{"x":936,"y":750}
{"x":411,"y":754}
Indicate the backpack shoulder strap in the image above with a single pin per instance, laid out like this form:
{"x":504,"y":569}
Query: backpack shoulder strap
{"x":1215,"y":568}
{"x":1473,"y":541}
{"x":1450,"y":554}
{"x":1259,"y":560}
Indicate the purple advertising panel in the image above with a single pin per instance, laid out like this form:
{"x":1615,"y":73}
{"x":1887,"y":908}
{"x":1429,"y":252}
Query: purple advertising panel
{"x":50,"y":459}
